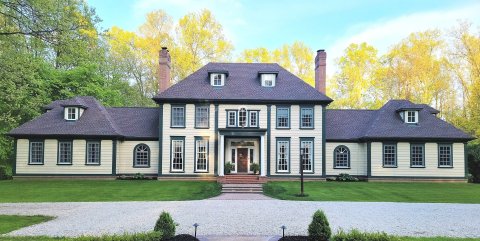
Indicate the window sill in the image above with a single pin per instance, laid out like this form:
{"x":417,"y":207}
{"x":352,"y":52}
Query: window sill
{"x":282,"y":172}
{"x":341,"y":167}
{"x":283,"y":128}
{"x":141,"y":166}
{"x":390,"y":166}
{"x":445,"y":166}
{"x":417,"y":166}
{"x":35,"y":164}
{"x":64,"y":164}
{"x":307,"y":128}
{"x":201,"y":171}
{"x":177,"y":127}
{"x":202,"y":127}
{"x":173,"y":171}
{"x":92,"y":164}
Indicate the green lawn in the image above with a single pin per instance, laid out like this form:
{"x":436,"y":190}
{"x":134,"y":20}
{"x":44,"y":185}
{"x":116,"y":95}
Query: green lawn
{"x":437,"y":239}
{"x":377,"y":191}
{"x":9,"y":223}
{"x":104,"y":190}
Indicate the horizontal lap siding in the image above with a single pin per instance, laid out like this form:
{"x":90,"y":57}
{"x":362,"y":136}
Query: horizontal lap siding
{"x":189,"y":132}
{"x":431,"y":162}
{"x":295,"y":133}
{"x":50,"y":159}
{"x":358,"y":158}
{"x":125,"y":157}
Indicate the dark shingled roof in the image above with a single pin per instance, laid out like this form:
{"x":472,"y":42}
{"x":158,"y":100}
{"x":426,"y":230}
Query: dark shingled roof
{"x":242,"y":84}
{"x":95,"y":121}
{"x":386,"y":124}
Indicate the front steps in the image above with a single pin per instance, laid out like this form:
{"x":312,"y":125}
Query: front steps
{"x":241,"y":179}
{"x":242,"y":188}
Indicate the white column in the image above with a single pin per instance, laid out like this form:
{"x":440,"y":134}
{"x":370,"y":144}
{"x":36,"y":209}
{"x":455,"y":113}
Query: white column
{"x":221,"y":163}
{"x":263,"y":168}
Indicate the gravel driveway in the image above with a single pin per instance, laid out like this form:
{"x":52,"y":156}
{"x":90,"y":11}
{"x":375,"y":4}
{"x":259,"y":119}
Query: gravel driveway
{"x":250,"y":217}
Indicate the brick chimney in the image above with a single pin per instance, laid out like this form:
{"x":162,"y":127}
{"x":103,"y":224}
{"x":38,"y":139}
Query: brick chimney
{"x":164,"y":70}
{"x":320,"y":71}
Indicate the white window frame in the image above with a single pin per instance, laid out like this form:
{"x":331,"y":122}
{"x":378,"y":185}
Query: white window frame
{"x":415,"y":156}
{"x":201,"y":114}
{"x":65,"y":154}
{"x":214,"y":77}
{"x":91,"y":159}
{"x":201,"y":142}
{"x":414,"y":116}
{"x":283,"y":159}
{"x":231,"y":118}
{"x":36,"y":156}
{"x":308,"y":155}
{"x":253,"y":118}
{"x":302,"y":113}
{"x":242,"y":114}
{"x":71,"y":113}
{"x":394,"y":153}
{"x":442,"y":155}
{"x":141,"y":151}
{"x":268,"y":78}
{"x":181,"y":154}
{"x":177,"y":108}
{"x":287,"y":118}
{"x":343,"y":153}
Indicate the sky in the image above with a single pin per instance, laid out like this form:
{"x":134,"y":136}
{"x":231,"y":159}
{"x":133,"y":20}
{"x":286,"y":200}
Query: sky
{"x":329,"y":25}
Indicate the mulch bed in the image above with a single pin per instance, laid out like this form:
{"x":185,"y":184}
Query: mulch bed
{"x":183,"y":237}
{"x":294,"y":238}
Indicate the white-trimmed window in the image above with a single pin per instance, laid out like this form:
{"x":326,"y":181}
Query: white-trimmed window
{"x":445,"y":157}
{"x":411,"y":116}
{"x":283,"y":117}
{"x":283,"y":155}
{"x":341,"y":156}
{"x":36,"y":153}
{"x":141,"y":156}
{"x":93,"y":153}
{"x":253,"y":118}
{"x":71,"y":113}
{"x":268,"y":80}
{"x":306,"y":117}
{"x":201,"y":116}
{"x":232,"y":118}
{"x":389,"y":155}
{"x":177,"y":156}
{"x":178,"y":116}
{"x":242,"y":117}
{"x":217,"y":79}
{"x":65,"y":152}
{"x":417,"y":155}
{"x":306,"y":154}
{"x":201,"y":154}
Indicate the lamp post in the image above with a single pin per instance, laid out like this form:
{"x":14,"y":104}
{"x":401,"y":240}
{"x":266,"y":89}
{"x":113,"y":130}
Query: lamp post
{"x":302,"y":157}
{"x":196,"y":225}
{"x":283,"y":227}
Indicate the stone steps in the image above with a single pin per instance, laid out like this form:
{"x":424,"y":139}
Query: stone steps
{"x":242,"y":188}
{"x":242,"y":179}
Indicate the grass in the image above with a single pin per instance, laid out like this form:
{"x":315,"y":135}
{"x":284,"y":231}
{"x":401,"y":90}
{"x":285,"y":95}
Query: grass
{"x":104,"y":190}
{"x":376,"y":192}
{"x":9,"y":223}
{"x":436,"y":239}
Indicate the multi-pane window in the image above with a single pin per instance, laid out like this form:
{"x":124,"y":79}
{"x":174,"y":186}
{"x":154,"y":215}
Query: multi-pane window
{"x":177,"y":154}
{"x":341,"y":157}
{"x":178,"y":116}
{"x":253,"y":119}
{"x":64,"y":152}
{"x":417,"y":155}
{"x":268,"y":80}
{"x":36,"y":152}
{"x":306,"y":155}
{"x":306,"y":118}
{"x":283,"y":117}
{"x":232,"y":118}
{"x":141,"y":156}
{"x":201,"y":156}
{"x":71,"y":113}
{"x":411,"y":116}
{"x":242,"y":117}
{"x":201,"y":117}
{"x":445,"y":155}
{"x":217,"y":79}
{"x":283,"y":155}
{"x":389,"y":155}
{"x":93,"y":152}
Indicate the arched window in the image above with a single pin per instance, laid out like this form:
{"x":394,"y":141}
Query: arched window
{"x":242,"y":117}
{"x":141,"y":156}
{"x":341,"y":157}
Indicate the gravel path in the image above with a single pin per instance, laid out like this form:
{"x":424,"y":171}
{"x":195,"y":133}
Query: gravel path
{"x":250,"y":217}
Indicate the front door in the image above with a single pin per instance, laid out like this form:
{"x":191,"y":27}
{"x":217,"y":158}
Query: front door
{"x":242,"y":159}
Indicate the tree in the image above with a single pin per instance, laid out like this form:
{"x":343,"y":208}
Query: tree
{"x":355,"y":84}
{"x":297,"y":58}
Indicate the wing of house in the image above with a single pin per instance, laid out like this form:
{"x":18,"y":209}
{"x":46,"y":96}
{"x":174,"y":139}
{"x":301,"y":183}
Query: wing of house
{"x":240,"y":115}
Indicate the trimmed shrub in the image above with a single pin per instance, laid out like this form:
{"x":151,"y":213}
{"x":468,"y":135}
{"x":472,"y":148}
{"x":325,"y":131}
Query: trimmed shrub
{"x":255,"y":168}
{"x":183,"y":237}
{"x":229,"y":167}
{"x":5,"y":173}
{"x":344,"y":177}
{"x":294,"y":238}
{"x":166,"y":225}
{"x":319,"y":228}
{"x":356,"y":235}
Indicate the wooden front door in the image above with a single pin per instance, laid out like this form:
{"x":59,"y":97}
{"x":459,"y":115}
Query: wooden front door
{"x":242,"y":160}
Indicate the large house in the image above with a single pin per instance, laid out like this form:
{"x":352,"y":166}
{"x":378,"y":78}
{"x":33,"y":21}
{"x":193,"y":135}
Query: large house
{"x":240,"y":113}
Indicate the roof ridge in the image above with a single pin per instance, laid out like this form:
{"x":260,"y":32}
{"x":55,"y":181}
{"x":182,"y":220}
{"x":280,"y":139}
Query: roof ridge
{"x":354,"y":109}
{"x":132,"y":107}
{"x":107,"y":116}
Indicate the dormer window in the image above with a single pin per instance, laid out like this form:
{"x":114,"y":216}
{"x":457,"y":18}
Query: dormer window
{"x":71,"y":113}
{"x":268,"y":80}
{"x":217,"y":79}
{"x":411,"y":117}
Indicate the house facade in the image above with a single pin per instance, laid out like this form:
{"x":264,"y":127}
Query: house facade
{"x":245,"y":115}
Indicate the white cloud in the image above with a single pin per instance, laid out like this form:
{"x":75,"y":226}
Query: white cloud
{"x":384,"y":33}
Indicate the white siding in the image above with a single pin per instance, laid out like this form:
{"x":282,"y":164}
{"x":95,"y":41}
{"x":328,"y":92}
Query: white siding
{"x":358,"y":158}
{"x":50,"y":159}
{"x":431,"y":162}
{"x":295,"y":133}
{"x":125,"y":157}
{"x":189,"y":132}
